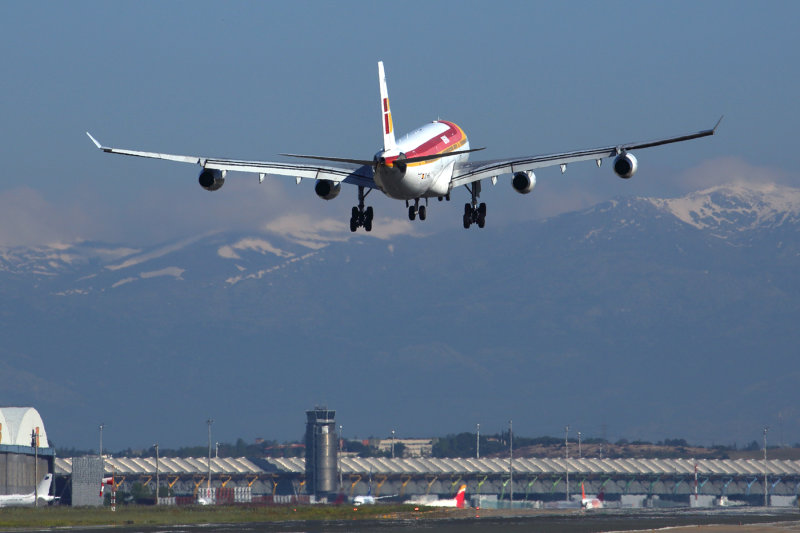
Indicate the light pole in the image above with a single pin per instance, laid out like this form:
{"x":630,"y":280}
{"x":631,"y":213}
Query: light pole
{"x":511,"y":463}
{"x":35,"y":444}
{"x":208,"y":485}
{"x":478,"y":443}
{"x":102,"y":462}
{"x":580,"y":455}
{"x":766,"y":428}
{"x":566,"y":456}
{"x":157,"y":478}
{"x":392,"y":444}
{"x":341,"y":449}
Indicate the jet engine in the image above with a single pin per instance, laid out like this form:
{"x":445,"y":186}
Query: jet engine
{"x":625,"y":165}
{"x":327,"y":189}
{"x":523,"y":182}
{"x":211,"y":179}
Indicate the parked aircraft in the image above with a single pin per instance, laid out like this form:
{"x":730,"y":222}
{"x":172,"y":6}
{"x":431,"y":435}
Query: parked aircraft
{"x":369,"y":499}
{"x":457,"y":501}
{"x":429,"y":162}
{"x":42,"y":489}
{"x":590,"y":503}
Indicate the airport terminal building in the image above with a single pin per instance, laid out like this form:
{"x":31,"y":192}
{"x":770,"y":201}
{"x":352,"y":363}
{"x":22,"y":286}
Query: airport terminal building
{"x":324,"y":475}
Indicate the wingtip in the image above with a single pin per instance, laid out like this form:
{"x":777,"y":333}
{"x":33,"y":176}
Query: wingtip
{"x":717,"y":124}
{"x":100,"y":146}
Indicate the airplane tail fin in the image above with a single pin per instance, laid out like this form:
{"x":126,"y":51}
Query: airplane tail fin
{"x":462,"y":492}
{"x":43,"y":488}
{"x":388,"y":128}
{"x":583,"y":491}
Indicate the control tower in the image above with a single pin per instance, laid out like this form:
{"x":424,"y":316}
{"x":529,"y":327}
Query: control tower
{"x":321,"y":446}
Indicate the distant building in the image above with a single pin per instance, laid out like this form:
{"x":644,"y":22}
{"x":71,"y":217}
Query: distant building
{"x":411,"y":447}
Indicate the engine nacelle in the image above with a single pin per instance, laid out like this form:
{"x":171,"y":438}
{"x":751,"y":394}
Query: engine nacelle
{"x":523,"y":182}
{"x":327,"y":189}
{"x":625,"y":165}
{"x":211,"y":179}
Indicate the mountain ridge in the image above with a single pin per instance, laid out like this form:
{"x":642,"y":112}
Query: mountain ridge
{"x":723,"y":211}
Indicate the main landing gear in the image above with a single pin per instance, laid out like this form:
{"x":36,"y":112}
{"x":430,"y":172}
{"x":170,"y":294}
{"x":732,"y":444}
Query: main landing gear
{"x":416,"y":209}
{"x":474,"y":213}
{"x":360,"y":216}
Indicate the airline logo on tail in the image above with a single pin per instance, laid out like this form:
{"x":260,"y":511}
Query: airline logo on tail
{"x":387,"y":117}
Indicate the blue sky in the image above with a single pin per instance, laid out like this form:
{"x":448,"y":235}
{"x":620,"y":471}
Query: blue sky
{"x":250,"y":80}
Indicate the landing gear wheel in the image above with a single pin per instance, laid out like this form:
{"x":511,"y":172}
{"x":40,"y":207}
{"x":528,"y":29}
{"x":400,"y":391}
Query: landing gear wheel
{"x":422,"y":212}
{"x":354,"y":224}
{"x":481,"y":215}
{"x":468,"y":210}
{"x":355,"y":212}
{"x":467,"y":221}
{"x":412,"y":213}
{"x":368,"y":214}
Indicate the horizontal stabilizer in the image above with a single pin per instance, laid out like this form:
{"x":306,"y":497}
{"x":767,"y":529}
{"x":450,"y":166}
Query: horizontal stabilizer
{"x":367,"y":162}
{"x":437,"y":156}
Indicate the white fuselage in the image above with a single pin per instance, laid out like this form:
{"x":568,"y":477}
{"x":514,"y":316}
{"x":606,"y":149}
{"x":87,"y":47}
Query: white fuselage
{"x":8,"y":500}
{"x":427,"y":178}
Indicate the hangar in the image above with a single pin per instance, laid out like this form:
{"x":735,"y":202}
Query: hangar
{"x":25,"y":453}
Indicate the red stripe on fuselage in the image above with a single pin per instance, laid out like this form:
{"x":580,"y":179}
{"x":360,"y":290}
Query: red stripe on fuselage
{"x":455,"y":137}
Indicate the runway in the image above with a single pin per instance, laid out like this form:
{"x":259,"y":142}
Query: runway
{"x":753,"y":520}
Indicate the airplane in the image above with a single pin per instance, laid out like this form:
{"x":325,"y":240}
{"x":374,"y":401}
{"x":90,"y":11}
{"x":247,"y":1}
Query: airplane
{"x":457,"y":501}
{"x":369,"y":499}
{"x":42,"y":489}
{"x":429,"y":162}
{"x":590,"y":503}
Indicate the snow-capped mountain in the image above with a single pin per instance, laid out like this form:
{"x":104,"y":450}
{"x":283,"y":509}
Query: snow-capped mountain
{"x":736,"y":208}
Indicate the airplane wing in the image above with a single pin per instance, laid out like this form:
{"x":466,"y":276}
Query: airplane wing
{"x":471,"y":171}
{"x":353,"y":173}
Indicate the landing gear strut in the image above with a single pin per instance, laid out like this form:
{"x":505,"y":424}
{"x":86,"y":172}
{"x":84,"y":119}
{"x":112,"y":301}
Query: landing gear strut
{"x":416,"y":209}
{"x":474,"y":213}
{"x":361,"y":217}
